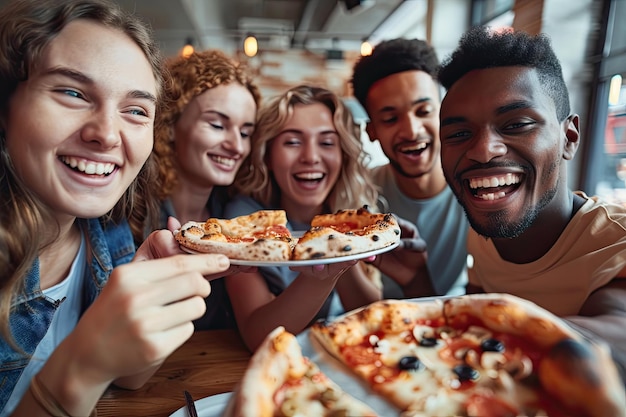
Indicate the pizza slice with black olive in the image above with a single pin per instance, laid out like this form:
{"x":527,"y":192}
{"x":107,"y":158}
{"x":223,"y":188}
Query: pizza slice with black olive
{"x":480,"y":355}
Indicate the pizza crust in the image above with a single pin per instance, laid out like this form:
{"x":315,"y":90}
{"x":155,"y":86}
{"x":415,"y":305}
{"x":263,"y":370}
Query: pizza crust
{"x":250,"y":237}
{"x":278,"y":362}
{"x":577,"y":374}
{"x":276,"y":359}
{"x":347,"y":232}
{"x":263,"y":235}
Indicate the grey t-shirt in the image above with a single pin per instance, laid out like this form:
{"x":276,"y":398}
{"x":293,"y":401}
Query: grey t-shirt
{"x":441,"y":222}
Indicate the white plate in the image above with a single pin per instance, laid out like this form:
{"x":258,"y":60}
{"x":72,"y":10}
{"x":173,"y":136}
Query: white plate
{"x":307,"y":262}
{"x":212,"y":406}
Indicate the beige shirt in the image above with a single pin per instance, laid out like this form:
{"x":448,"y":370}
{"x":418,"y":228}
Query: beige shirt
{"x":589,"y":254}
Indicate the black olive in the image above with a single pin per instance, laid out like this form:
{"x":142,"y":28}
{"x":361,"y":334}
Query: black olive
{"x":410,"y":363}
{"x":492,"y":345}
{"x":466,"y":373}
{"x":428,"y":342}
{"x":347,"y":248}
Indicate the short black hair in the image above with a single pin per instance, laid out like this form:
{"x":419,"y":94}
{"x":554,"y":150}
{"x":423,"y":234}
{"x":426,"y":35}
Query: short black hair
{"x":481,"y":47}
{"x":390,"y":57}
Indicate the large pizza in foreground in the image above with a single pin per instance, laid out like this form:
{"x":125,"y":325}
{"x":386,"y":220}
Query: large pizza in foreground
{"x":478,"y":355}
{"x":487,"y":355}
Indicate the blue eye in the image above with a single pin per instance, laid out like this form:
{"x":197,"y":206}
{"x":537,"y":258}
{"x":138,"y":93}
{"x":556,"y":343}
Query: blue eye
{"x":72,"y":93}
{"x":138,"y":112}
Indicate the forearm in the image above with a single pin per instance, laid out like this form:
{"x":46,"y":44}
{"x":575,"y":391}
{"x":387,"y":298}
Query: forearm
{"x":356,"y":289}
{"x":420,"y":285}
{"x":293,"y":309}
{"x":65,"y":382}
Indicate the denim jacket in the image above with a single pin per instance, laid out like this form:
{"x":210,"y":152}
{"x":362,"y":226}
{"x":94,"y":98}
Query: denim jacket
{"x":32,"y":313}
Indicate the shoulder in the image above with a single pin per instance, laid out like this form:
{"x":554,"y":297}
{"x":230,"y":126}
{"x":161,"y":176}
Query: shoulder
{"x":114,"y":239}
{"x":600,"y":213}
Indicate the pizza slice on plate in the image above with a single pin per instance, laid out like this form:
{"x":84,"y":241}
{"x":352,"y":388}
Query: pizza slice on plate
{"x":478,"y":355}
{"x":279,"y":381}
{"x":264,"y":236}
{"x":259,"y":236}
{"x":347,"y":232}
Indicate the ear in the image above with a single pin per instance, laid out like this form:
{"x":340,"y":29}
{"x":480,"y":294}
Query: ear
{"x":572,"y":136}
{"x":371,"y":132}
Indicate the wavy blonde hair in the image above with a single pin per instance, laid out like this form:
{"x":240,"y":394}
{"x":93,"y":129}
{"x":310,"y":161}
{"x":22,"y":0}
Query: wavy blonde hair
{"x":191,"y":77}
{"x":26,"y":29}
{"x":353,"y":189}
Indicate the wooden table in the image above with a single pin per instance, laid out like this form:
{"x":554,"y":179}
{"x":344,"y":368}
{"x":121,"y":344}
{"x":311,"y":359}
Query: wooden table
{"x":209,"y":363}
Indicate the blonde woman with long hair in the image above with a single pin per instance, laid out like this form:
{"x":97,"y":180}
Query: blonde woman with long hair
{"x":307,"y":159}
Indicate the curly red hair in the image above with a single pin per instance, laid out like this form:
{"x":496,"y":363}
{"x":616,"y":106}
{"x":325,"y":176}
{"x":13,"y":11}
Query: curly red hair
{"x":190,"y":77}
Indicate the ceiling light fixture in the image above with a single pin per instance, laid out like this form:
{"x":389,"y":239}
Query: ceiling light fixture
{"x":250,"y":46}
{"x":366,"y":48}
{"x":188,"y":49}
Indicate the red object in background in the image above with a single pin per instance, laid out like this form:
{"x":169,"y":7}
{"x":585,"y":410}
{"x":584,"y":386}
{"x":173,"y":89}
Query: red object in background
{"x":615,"y":134}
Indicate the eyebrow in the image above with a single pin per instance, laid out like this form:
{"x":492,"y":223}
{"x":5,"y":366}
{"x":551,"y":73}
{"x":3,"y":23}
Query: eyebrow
{"x":516,"y":105}
{"x":85,"y":79}
{"x":300,"y":132}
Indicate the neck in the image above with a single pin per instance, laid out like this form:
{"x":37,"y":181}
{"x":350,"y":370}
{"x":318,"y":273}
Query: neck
{"x":301,"y":214}
{"x":425,"y":186}
{"x":538,"y":239}
{"x":55,"y":259}
{"x":190,"y":202}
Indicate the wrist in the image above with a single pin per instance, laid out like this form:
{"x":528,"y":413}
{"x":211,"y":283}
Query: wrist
{"x":70,"y":382}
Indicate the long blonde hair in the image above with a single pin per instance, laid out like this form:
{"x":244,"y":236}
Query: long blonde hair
{"x":354,"y":187}
{"x":26,"y":29}
{"x":190,"y":77}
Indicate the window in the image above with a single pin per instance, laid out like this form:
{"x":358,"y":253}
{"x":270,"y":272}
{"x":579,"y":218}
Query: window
{"x":485,"y":12}
{"x":605,"y":166}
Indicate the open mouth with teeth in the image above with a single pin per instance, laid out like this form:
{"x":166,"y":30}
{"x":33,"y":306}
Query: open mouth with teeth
{"x":494,"y":187}
{"x":414,"y":149}
{"x":309,"y":176}
{"x":88,"y":167}
{"x":227,"y":162}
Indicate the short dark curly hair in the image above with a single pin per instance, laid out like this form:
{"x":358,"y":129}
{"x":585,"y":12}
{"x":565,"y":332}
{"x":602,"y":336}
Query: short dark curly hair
{"x":390,"y":57}
{"x":481,"y":47}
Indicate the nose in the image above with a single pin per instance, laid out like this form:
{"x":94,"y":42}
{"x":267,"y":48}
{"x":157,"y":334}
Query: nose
{"x":486,"y":145}
{"x":410,"y":126}
{"x":103,"y":127}
{"x":234,"y":141}
{"x":310,"y":153}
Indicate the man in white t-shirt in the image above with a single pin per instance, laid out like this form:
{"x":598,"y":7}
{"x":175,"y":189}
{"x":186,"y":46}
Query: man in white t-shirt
{"x":397,"y":87}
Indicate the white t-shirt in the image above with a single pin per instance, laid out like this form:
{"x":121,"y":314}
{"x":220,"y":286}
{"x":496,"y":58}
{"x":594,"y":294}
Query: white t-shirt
{"x":65,"y":319}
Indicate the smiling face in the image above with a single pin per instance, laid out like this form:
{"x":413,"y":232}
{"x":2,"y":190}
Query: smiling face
{"x":404,"y":113}
{"x":503,"y":149}
{"x":80,"y":128}
{"x":305,"y":158}
{"x":212,"y":135}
